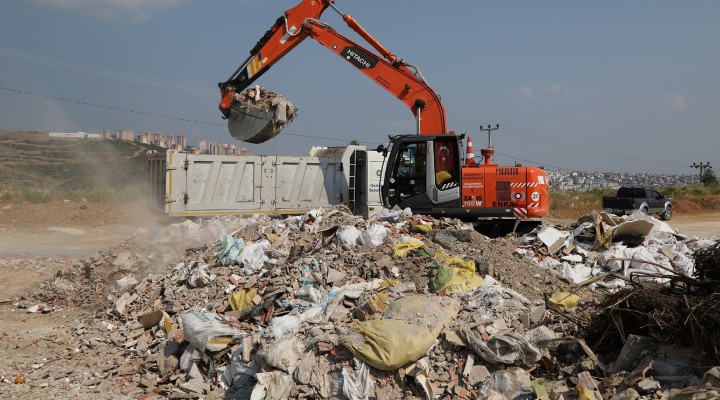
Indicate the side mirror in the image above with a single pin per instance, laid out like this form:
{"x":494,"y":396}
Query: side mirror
{"x":382,"y":150}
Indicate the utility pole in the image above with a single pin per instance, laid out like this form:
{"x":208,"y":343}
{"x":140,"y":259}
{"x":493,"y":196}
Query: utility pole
{"x":489,"y":130}
{"x":701,"y":166}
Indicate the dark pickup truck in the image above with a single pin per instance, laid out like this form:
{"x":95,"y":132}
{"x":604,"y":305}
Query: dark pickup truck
{"x":645,"y":199}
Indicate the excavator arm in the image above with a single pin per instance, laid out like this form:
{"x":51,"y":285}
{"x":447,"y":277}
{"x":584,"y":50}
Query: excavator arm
{"x":402,"y":80}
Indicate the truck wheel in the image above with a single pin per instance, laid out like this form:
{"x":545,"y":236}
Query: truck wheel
{"x":667,"y":214}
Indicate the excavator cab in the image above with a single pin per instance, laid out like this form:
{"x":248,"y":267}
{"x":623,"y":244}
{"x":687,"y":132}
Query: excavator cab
{"x":422,"y":172}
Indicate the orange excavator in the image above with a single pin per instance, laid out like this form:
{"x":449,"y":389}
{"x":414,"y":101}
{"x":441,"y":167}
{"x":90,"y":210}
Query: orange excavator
{"x":426,"y":170}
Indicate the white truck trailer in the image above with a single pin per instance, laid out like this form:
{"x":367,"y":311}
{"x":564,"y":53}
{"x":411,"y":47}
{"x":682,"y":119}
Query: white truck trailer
{"x":193,"y":185}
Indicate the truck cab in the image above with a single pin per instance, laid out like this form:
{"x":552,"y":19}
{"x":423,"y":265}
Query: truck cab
{"x":644,"y":199}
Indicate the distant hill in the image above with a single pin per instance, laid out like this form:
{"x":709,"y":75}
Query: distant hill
{"x":33,"y":160}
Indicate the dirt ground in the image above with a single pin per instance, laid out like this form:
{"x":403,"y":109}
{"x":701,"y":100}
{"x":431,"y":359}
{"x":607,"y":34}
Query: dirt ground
{"x":38,"y":240}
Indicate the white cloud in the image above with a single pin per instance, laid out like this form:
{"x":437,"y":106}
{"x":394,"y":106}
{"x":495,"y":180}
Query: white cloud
{"x":135,"y":10}
{"x":674,"y":100}
{"x":558,"y":89}
{"x":526,"y":92}
{"x":554,"y":90}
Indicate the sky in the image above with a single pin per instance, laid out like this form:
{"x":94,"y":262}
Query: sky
{"x":615,"y":86}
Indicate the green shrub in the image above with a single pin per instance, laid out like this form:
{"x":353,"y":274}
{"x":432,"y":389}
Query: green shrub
{"x":37,"y":196}
{"x":7,"y":195}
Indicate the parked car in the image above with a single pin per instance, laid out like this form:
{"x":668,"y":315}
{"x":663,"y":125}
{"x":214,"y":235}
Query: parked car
{"x":644,"y":199}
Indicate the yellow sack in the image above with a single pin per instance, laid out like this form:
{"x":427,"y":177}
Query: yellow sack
{"x":406,"y":333}
{"x":242,"y":298}
{"x":441,"y":176}
{"x":561,"y":301}
{"x":401,"y":250}
{"x":455,"y":275}
{"x":421,"y":228}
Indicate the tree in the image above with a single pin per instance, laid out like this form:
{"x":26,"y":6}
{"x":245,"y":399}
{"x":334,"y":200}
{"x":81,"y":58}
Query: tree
{"x":354,"y":143}
{"x":708,"y":178}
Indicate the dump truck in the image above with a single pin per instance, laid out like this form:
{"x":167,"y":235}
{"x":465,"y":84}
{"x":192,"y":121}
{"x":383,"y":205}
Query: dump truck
{"x":182,"y":184}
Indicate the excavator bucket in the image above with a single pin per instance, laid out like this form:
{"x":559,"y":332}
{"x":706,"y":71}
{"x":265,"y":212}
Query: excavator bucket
{"x":259,"y":115}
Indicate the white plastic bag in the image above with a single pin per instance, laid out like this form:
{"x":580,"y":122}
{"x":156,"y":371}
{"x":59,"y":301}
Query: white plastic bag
{"x":374,"y":236}
{"x":348,"y":234}
{"x":252,"y":257}
{"x":201,"y":328}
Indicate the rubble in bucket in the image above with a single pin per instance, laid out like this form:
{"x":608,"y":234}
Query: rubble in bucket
{"x":329,"y":305}
{"x":259,"y":115}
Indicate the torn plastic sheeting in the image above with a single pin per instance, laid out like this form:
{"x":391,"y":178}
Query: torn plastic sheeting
{"x":407,"y":331}
{"x":273,"y":385}
{"x":236,"y":368}
{"x":310,"y":221}
{"x":670,"y":362}
{"x":252,"y":257}
{"x":229,"y":249}
{"x":348,"y":234}
{"x":198,"y":276}
{"x":290,"y":323}
{"x":353,"y":291}
{"x":635,"y":259}
{"x":283,"y":354}
{"x":573,"y":258}
{"x":374,"y":236}
{"x":501,"y":349}
{"x":309,"y":293}
{"x":578,"y":272}
{"x":511,"y":383}
{"x":357,"y":384}
{"x":394,"y":215}
{"x":207,"y":331}
{"x":548,"y":263}
{"x":684,"y":265}
{"x":489,"y":298}
{"x":188,"y":357}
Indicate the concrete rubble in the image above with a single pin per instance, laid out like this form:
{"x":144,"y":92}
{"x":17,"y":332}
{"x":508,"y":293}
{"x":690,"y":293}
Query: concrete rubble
{"x":258,"y":115}
{"x":331,"y":305}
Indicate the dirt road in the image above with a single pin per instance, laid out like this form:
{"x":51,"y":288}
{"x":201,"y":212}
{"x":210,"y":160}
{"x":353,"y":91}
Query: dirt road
{"x":700,"y":225}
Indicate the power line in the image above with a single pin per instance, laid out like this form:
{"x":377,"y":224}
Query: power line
{"x":107,"y":73}
{"x":158,"y":115}
{"x":109,"y":107}
{"x":591,"y":150}
{"x":144,"y":80}
{"x":530,"y":161}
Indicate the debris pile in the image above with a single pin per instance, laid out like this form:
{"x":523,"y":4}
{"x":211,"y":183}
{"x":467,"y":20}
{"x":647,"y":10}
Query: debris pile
{"x":331,"y":305}
{"x":258,"y":115}
{"x":686,"y":310}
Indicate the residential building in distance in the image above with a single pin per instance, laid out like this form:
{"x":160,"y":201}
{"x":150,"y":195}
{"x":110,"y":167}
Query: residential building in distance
{"x":126,"y":134}
{"x":579,"y":180}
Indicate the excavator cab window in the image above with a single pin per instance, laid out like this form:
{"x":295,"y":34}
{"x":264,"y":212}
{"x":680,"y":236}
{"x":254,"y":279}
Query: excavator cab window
{"x":445,"y":157}
{"x":409,"y":170}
